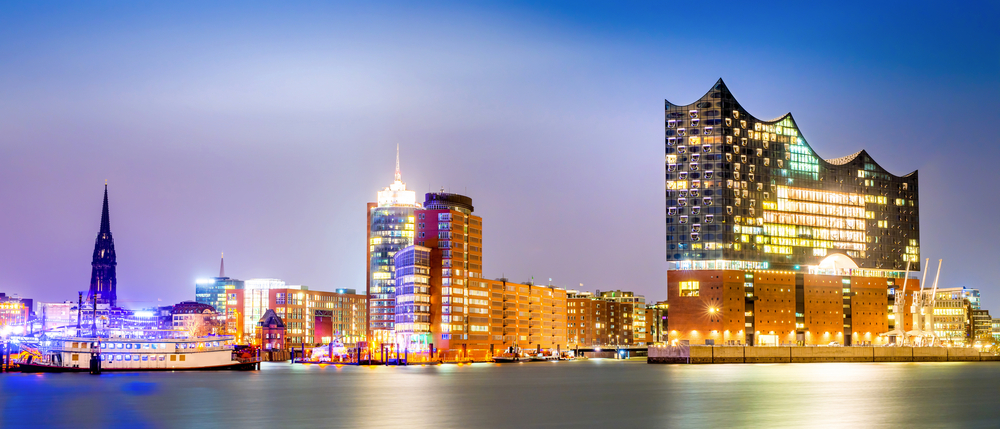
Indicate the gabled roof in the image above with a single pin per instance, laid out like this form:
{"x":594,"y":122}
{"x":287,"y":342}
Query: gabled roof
{"x":270,"y":319}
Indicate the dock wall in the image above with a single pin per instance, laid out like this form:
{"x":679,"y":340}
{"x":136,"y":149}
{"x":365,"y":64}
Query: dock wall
{"x":786,"y":354}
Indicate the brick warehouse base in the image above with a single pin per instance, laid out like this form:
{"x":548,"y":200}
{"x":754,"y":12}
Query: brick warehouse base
{"x":750,"y":354}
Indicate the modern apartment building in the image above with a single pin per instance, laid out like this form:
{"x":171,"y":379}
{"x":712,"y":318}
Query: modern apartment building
{"x":606,"y":319}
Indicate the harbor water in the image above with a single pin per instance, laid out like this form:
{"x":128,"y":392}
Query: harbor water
{"x":579,"y":394}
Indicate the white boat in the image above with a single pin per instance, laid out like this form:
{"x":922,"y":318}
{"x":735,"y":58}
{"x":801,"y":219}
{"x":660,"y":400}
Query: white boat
{"x":73,"y":354}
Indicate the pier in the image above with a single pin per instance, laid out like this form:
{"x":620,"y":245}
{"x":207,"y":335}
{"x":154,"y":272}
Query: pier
{"x":798,"y":354}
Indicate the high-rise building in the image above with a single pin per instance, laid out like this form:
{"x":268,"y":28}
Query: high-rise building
{"x":390,"y":228}
{"x":212,"y":291}
{"x":443,"y":303}
{"x":454,"y":237}
{"x":767,"y":243}
{"x":103,"y":277}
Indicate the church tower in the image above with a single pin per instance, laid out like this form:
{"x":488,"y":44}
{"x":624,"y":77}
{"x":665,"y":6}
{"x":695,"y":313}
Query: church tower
{"x":103,"y":280}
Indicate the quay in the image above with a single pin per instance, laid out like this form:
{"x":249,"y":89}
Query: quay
{"x":799,"y":354}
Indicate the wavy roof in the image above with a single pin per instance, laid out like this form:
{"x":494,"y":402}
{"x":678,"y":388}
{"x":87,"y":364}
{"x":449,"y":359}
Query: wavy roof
{"x":858,"y":158}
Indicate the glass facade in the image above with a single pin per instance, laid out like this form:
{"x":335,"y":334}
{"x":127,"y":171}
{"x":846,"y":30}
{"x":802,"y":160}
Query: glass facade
{"x":392,"y":230}
{"x":213,"y":291}
{"x":746,"y":193}
{"x":413,"y":295}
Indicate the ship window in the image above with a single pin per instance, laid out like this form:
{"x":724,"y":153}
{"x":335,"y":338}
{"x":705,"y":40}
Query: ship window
{"x":145,"y":358}
{"x":128,"y":357}
{"x":76,"y":356}
{"x":173,"y":358}
{"x":118,"y":357}
{"x":182,"y":357}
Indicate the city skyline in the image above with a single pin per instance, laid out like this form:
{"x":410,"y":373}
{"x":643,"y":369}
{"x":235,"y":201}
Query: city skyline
{"x":274,"y":176}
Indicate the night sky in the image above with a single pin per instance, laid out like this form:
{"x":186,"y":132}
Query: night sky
{"x":262,"y":130}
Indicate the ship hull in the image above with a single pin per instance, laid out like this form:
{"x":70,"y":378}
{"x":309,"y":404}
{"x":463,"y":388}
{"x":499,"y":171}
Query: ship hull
{"x":235,"y":366}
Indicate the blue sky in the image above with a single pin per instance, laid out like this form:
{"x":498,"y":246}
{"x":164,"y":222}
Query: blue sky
{"x":261,"y":130}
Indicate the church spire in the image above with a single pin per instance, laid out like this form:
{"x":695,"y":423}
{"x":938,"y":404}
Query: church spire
{"x":222,"y":265}
{"x":103,"y":276}
{"x":399,"y":177}
{"x":105,"y":220}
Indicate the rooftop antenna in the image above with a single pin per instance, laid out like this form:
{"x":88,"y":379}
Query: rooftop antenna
{"x":222,"y":265}
{"x":399,"y":177}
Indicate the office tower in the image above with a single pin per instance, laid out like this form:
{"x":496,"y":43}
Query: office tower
{"x":390,"y":228}
{"x":212,"y":291}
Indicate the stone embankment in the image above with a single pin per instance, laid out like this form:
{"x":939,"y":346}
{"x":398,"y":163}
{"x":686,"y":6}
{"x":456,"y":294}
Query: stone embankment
{"x":787,"y":354}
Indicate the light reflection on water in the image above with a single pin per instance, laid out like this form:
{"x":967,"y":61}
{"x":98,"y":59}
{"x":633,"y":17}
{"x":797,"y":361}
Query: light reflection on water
{"x":598,"y":393}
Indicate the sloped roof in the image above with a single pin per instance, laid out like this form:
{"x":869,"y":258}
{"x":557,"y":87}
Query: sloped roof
{"x":270,"y":319}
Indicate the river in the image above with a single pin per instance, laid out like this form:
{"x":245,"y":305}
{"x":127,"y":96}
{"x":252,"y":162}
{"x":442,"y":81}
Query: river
{"x":581,"y":394}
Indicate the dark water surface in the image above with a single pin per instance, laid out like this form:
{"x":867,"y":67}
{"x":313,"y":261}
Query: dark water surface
{"x":596,"y":393}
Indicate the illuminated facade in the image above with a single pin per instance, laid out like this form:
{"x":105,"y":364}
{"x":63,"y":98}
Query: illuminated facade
{"x":606,"y":319}
{"x":413,"y":296}
{"x":213,"y":291}
{"x":953,"y":314}
{"x":310,"y":317}
{"x":390,"y":228}
{"x":768,"y":243}
{"x":444,"y":305}
{"x":746,"y":193}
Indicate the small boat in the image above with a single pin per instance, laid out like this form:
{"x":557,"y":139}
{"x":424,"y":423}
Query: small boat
{"x":506,"y":358}
{"x":542,"y":357}
{"x":74,"y":354}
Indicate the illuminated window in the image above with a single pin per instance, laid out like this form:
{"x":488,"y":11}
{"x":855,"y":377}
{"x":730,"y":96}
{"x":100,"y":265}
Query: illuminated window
{"x":690,"y":288}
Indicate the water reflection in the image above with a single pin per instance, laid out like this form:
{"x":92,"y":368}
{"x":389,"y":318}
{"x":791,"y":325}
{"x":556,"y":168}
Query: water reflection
{"x":566,"y":394}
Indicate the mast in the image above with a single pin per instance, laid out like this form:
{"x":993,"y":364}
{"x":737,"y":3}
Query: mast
{"x":934,"y":303}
